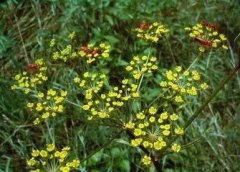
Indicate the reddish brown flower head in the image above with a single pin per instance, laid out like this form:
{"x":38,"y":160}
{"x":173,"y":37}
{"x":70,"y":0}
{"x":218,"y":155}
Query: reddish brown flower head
{"x":209,"y":25}
{"x":144,"y":25}
{"x":32,"y":68}
{"x":204,"y":42}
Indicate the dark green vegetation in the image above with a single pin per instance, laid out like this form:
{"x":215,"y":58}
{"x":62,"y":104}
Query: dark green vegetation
{"x":212,"y":141}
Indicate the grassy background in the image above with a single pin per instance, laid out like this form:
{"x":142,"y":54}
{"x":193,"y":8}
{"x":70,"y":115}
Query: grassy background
{"x":212,"y":142}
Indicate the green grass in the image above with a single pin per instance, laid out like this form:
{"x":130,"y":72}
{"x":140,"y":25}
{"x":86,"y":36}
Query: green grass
{"x":211,"y":143}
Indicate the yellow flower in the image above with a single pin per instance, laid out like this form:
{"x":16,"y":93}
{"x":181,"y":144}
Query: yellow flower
{"x":152,"y":119}
{"x":50,"y":147}
{"x":163,"y":83}
{"x":30,"y":105}
{"x":146,"y":160}
{"x":43,"y":153}
{"x":158,"y":145}
{"x":178,"y":99}
{"x":86,"y":107}
{"x":166,"y":132}
{"x":175,"y":147}
{"x":40,"y":95}
{"x":164,"y":115}
{"x":140,"y":115}
{"x":45,"y":115}
{"x":31,"y":162}
{"x":64,"y":169}
{"x":174,"y":117}
{"x":152,"y":110}
{"x":204,"y":86}
{"x":138,"y":132}
{"x":129,"y":125}
{"x":35,"y":153}
{"x":136,"y":142}
{"x":179,"y":131}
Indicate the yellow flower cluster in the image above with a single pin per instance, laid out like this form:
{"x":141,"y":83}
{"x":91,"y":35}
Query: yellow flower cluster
{"x":48,"y":104}
{"x":92,"y":52}
{"x":181,"y":83}
{"x":65,"y":54}
{"x":152,"y":130}
{"x":139,"y":66}
{"x":151,"y":31}
{"x":34,"y":75}
{"x":207,"y":36}
{"x":130,"y":90}
{"x":51,"y":159}
{"x":90,"y":83}
{"x":102,"y":105}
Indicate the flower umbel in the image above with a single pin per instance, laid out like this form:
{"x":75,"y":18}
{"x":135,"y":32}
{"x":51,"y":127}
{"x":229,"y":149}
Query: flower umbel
{"x":207,"y":36}
{"x":34,"y":75}
{"x":48,"y":105}
{"x":151,"y":31}
{"x":51,"y":159}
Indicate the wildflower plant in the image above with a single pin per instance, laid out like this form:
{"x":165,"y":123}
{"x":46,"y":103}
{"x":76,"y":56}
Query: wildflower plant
{"x":52,"y":159}
{"x":207,"y":35}
{"x":153,"y":126}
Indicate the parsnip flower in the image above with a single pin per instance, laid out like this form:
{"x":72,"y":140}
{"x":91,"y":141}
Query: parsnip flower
{"x":207,"y":36}
{"x":139,"y":66}
{"x":181,"y":84}
{"x":34,"y":75}
{"x":44,"y":158}
{"x":176,"y":147}
{"x":93,"y":52}
{"x":48,"y":105}
{"x":146,"y":160}
{"x":151,"y":31}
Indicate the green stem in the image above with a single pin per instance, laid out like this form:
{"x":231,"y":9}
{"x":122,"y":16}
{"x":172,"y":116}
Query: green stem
{"x":140,"y":83}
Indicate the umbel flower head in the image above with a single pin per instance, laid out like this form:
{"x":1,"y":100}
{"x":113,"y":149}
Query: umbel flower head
{"x":93,"y":52}
{"x":151,"y":31}
{"x":51,"y":159}
{"x":34,"y":74}
{"x":48,"y":105}
{"x":152,"y":129}
{"x":89,"y":52}
{"x":100,"y":101}
{"x":177,"y":84}
{"x":207,"y":36}
{"x":143,"y":65}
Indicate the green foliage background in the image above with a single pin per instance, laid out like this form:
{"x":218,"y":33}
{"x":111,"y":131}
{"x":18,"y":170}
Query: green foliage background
{"x":27,"y":26}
